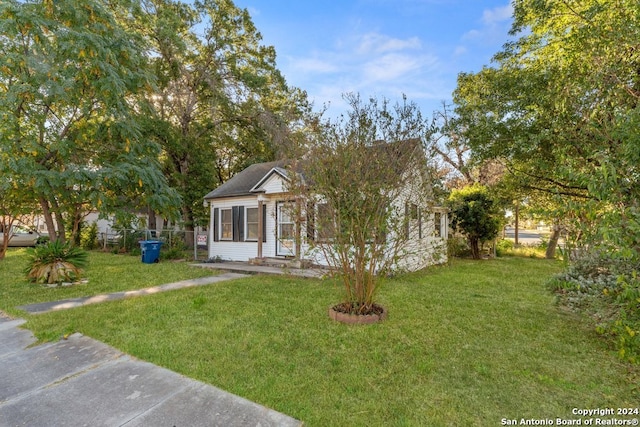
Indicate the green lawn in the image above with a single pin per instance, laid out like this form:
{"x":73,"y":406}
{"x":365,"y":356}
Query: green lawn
{"x":466,"y":344}
{"x":106,"y":273}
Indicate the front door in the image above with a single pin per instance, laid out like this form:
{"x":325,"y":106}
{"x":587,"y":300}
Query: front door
{"x":286,"y":244}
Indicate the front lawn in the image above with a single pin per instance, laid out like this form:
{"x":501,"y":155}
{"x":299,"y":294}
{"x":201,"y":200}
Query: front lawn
{"x":106,"y":273}
{"x":466,"y":344}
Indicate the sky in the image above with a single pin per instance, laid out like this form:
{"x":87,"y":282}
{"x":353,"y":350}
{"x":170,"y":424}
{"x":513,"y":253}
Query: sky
{"x":382,"y":48}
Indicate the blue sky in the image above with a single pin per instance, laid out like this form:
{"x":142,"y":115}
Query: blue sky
{"x":384,"y":48}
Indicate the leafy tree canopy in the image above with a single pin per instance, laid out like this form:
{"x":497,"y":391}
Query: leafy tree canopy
{"x":71,"y":77}
{"x":476,"y":215}
{"x":560,"y":107}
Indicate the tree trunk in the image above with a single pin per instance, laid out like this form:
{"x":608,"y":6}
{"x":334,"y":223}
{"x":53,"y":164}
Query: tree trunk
{"x":517,"y":224}
{"x":77,"y":226}
{"x":48,"y":219}
{"x":6,"y":225}
{"x":474,"y":244}
{"x":187,"y":217}
{"x":553,"y":242}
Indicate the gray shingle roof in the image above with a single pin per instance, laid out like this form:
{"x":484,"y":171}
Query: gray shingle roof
{"x":242,"y":183}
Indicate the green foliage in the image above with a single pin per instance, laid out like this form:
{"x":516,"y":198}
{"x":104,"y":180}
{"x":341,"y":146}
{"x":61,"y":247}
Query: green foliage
{"x":366,"y":168}
{"x":55,"y":262}
{"x":172,"y":253}
{"x":176,"y":249}
{"x":464,"y":345}
{"x":475,"y":214}
{"x":457,"y":247}
{"x":105,"y":273}
{"x":605,"y":287}
{"x":559,"y":106}
{"x":89,"y":237}
{"x":221,"y":104}
{"x":129,"y":240}
{"x":504,"y":247}
{"x":70,"y":109}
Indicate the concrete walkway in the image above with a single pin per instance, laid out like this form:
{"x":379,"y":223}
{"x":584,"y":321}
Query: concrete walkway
{"x":246,"y":268}
{"x":45,"y":307}
{"x":83,"y":382}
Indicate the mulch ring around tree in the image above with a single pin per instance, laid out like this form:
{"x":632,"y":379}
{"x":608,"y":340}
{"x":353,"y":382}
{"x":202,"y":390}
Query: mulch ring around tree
{"x":346,"y":313}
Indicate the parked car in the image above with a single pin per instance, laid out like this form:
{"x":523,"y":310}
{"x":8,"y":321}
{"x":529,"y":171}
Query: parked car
{"x":21,"y":237}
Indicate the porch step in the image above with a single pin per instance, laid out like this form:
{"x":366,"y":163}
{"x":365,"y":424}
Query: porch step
{"x":276,"y":262}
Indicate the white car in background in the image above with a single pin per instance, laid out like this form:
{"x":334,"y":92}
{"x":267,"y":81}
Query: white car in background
{"x":21,"y":237}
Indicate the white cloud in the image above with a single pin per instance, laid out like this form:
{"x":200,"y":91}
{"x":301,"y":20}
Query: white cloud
{"x":313,"y":65}
{"x":472,"y":34}
{"x":373,"y":64}
{"x":388,"y":67}
{"x":495,"y":24}
{"x":379,"y":43}
{"x":497,"y":15}
{"x":393,"y":67}
{"x":460,"y":50}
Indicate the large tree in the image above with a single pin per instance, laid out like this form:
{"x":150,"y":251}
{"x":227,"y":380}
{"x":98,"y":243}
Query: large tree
{"x":221,"y":103}
{"x":71,"y":77}
{"x":560,"y":105}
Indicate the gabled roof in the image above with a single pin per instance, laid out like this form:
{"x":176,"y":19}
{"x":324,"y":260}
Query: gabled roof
{"x":247,"y":182}
{"x":275,"y":170}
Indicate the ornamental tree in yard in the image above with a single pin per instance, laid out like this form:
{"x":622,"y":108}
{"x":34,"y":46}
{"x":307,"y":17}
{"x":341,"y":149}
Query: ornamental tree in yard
{"x":475,"y":214}
{"x":360,"y":172}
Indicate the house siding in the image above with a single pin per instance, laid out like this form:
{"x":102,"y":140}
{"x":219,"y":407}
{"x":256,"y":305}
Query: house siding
{"x":274,"y":185}
{"x":231,"y":250}
{"x":423,"y":248}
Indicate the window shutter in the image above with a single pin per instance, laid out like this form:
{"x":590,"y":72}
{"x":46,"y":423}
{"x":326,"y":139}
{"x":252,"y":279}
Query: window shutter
{"x":419,"y":223}
{"x":216,"y":234}
{"x":237,"y":220}
{"x":241,"y":223}
{"x":406,"y":219}
{"x":264,"y":222}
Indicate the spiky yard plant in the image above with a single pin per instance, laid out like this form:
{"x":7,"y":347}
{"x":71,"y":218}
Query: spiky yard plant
{"x":55,"y":262}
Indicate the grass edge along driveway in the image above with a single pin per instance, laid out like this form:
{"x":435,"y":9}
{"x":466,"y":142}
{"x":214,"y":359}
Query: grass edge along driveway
{"x":468,"y":344}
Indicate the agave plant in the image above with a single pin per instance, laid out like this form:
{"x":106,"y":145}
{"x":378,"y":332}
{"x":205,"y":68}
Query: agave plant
{"x":55,"y":262}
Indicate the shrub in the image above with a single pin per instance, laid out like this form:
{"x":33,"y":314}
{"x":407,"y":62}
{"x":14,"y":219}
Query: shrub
{"x":607,"y":289}
{"x":172,"y":253}
{"x":55,"y":262}
{"x":458,"y":247}
{"x":130,"y":239}
{"x":176,"y":250}
{"x":504,"y":247}
{"x":476,"y":215}
{"x":89,"y":237}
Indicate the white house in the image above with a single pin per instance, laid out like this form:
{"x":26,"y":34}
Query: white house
{"x":250,"y":219}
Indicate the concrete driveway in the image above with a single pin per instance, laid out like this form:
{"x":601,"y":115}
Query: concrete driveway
{"x":83,"y":382}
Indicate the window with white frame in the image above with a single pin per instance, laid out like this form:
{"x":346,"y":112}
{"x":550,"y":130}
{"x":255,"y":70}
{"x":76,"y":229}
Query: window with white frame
{"x":251,"y":227}
{"x":226,"y":224}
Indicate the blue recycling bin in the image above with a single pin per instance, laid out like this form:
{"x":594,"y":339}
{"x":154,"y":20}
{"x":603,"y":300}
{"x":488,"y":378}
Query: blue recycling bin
{"x":150,"y":251}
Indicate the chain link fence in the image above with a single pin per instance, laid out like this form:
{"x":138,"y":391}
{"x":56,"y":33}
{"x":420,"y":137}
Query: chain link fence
{"x":177,"y":244}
